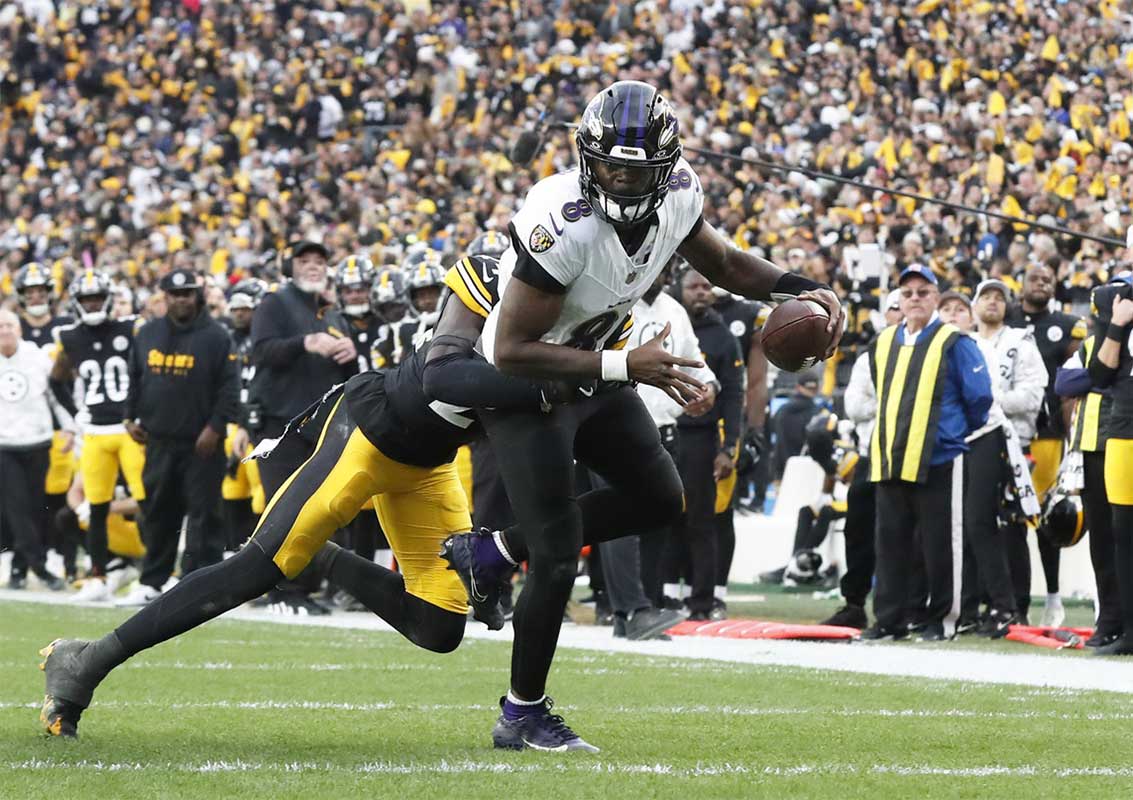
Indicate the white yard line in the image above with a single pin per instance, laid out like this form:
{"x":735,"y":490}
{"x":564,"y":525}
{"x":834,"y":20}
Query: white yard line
{"x":573,"y":766}
{"x":952,"y":662}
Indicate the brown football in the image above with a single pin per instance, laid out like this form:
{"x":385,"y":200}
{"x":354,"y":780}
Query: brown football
{"x":794,"y":336}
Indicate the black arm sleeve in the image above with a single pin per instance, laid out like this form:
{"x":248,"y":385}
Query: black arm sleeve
{"x":1103,"y":376}
{"x":62,"y":392}
{"x":135,"y":369}
{"x":467,"y":380}
{"x":530,"y":271}
{"x":731,"y":399}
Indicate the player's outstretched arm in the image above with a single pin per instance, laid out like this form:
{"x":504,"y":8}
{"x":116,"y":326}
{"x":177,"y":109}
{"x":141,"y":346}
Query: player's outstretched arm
{"x":757,"y":278}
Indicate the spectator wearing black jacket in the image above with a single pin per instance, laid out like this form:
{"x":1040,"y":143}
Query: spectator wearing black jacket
{"x":301,"y":347}
{"x":705,"y":456}
{"x":183,"y":393}
{"x":790,"y":421}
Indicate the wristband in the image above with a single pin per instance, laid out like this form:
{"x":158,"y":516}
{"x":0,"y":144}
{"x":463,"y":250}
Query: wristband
{"x":791,"y":285}
{"x":1116,"y":332}
{"x":615,"y":365}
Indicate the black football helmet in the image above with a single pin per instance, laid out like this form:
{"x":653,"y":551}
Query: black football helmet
{"x":1063,"y":519}
{"x":29,"y":276}
{"x":489,"y":243}
{"x":247,"y":293}
{"x":631,"y":127}
{"x":388,"y":295}
{"x":353,"y":272}
{"x":423,"y":270}
{"x":90,"y":283}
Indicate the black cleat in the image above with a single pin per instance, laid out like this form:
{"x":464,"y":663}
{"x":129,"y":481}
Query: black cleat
{"x":879,"y":634}
{"x":540,"y":730}
{"x":848,"y":616}
{"x":484,"y":588}
{"x":996,"y":624}
{"x":647,"y":623}
{"x":932,"y":632}
{"x":68,"y":694}
{"x":1103,"y":637}
{"x":1121,"y":646}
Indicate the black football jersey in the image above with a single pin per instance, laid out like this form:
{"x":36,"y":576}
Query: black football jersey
{"x":100,"y":355}
{"x":366,"y":337}
{"x":45,"y":334}
{"x":1057,"y":335}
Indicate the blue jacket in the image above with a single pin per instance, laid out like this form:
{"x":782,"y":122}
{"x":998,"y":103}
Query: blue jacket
{"x":965,"y":397}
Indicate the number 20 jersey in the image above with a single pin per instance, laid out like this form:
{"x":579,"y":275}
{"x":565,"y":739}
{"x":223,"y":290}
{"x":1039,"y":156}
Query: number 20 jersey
{"x":583,"y":254}
{"x":100,"y":355}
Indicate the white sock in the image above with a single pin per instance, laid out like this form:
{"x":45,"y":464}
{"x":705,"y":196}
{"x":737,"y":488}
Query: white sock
{"x":384,"y":558}
{"x":1054,"y":600}
{"x":673,"y":590}
{"x":686,"y":591}
{"x":498,"y":538}
{"x":511,"y":698}
{"x":720,"y":593}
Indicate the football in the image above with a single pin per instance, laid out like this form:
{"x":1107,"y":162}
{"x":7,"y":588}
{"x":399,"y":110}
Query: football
{"x":794,"y":336}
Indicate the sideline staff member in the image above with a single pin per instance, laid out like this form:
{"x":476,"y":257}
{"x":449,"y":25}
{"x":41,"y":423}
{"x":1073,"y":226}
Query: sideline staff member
{"x":933,"y":389}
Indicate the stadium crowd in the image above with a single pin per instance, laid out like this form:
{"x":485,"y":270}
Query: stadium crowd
{"x":142,"y":138}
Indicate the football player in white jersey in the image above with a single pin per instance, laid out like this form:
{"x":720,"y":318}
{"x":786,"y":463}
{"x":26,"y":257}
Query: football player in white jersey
{"x":586,"y":244}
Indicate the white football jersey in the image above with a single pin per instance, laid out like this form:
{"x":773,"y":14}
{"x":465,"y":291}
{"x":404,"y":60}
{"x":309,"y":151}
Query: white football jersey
{"x":583,"y":253}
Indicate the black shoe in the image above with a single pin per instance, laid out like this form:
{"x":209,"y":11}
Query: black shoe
{"x":52,"y":581}
{"x":17,"y":581}
{"x":1121,"y":646}
{"x":648,"y":623}
{"x":996,"y":624}
{"x":700,"y":616}
{"x":967,"y":625}
{"x":540,"y":730}
{"x":719,"y":610}
{"x":932,"y":632}
{"x":848,"y":616}
{"x":877,"y":633}
{"x":773,"y":577}
{"x":671,"y":604}
{"x":68,"y":690}
{"x":482,"y":585}
{"x":603,"y":617}
{"x":1103,"y":637}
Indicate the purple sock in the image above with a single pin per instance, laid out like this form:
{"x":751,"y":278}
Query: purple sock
{"x":488,"y":555}
{"x":515,"y":711}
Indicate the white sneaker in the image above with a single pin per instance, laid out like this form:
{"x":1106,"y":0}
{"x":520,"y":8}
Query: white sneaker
{"x":124,"y":576}
{"x":93,"y":590}
{"x":1053,"y":612}
{"x":138,"y":596}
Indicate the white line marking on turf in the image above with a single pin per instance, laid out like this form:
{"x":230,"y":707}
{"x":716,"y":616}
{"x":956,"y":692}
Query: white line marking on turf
{"x":881,"y":713}
{"x":951,"y":662}
{"x":560,"y":767}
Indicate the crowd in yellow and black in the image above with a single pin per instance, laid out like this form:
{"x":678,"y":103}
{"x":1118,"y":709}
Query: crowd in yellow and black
{"x":306,"y":175}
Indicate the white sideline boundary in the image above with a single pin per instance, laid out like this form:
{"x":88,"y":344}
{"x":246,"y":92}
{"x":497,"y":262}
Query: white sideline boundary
{"x":950,"y":662}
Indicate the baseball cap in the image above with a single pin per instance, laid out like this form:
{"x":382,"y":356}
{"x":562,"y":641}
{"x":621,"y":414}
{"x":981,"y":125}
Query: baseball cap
{"x":993,"y":283}
{"x":917,"y":270}
{"x":306,"y":246}
{"x":180,"y":279}
{"x":893,"y":301}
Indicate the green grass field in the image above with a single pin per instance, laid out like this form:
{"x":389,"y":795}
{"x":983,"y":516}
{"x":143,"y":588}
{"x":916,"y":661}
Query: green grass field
{"x":240,"y":709}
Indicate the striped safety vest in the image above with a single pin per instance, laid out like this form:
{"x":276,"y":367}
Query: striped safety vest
{"x":1087,"y":432}
{"x":908,"y":380}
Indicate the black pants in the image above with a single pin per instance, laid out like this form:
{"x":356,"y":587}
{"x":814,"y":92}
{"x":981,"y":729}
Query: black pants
{"x":860,"y":532}
{"x":1099,"y":521}
{"x":932,"y":511}
{"x":654,"y":546}
{"x":986,"y":576}
{"x":239,"y":522}
{"x":696,"y":533}
{"x":725,"y":524}
{"x":178,"y":484}
{"x":22,"y":476}
{"x":491,"y":508}
{"x":619,"y":563}
{"x":612,"y":434}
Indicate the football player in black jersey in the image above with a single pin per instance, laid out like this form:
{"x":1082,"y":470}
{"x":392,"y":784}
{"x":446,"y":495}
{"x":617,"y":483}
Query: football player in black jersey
{"x":96,"y":351}
{"x":34,"y":290}
{"x":241,"y":490}
{"x":424,"y":278}
{"x":489,"y":243}
{"x":1058,"y":335}
{"x":354,"y":281}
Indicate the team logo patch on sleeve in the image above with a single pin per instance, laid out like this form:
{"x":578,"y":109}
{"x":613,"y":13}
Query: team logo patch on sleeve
{"x":540,"y":240}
